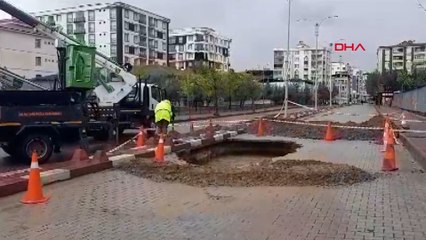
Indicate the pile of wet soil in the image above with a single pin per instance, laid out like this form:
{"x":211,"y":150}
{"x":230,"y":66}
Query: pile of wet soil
{"x":264,"y":173}
{"x":315,"y":132}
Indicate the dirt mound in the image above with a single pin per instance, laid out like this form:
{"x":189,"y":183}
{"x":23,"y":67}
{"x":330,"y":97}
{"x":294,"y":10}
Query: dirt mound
{"x":315,"y":132}
{"x":265,"y":173}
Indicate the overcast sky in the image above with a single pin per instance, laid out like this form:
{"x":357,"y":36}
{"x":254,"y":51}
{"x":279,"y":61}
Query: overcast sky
{"x":259,"y":26}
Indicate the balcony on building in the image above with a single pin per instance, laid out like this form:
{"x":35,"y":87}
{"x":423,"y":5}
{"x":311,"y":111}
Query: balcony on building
{"x":79,"y":19}
{"x":80,"y":31}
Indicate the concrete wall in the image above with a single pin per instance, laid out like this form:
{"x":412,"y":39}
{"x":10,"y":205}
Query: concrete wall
{"x":18,"y":54}
{"x":414,"y":100}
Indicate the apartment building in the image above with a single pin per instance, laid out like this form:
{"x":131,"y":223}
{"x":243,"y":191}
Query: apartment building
{"x":407,"y":55}
{"x":199,"y":46}
{"x":304,"y":63}
{"x":25,"y":52}
{"x":125,"y":33}
{"x":342,"y":79}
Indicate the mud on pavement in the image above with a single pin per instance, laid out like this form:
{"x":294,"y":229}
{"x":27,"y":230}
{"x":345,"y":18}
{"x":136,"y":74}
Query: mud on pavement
{"x":264,"y":173}
{"x":316,"y":132}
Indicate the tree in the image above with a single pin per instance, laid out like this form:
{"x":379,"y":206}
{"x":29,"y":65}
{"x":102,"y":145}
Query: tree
{"x":232,"y":82}
{"x":166,"y":78}
{"x":212,"y":85}
{"x":190,"y":84}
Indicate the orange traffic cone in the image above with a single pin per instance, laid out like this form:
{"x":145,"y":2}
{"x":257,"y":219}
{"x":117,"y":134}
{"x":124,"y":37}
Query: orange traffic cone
{"x":141,"y":138}
{"x":389,"y":162}
{"x":260,"y":128}
{"x":385,"y":136}
{"x":329,"y":136}
{"x":159,"y":151}
{"x":34,"y":192}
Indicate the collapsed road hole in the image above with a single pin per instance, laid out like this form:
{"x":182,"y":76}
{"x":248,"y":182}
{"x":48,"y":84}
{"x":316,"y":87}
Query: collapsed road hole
{"x":246,"y":164}
{"x":235,"y":152}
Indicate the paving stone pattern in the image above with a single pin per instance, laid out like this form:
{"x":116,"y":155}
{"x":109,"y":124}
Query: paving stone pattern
{"x":354,"y":113}
{"x":115,"y":205}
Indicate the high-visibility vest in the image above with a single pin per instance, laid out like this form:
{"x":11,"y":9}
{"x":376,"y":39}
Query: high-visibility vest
{"x":163,"y":111}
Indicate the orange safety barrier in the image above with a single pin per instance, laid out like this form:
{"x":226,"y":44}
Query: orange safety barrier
{"x":329,"y":136}
{"x":260,"y":128}
{"x":389,"y":161}
{"x":140,"y":142}
{"x":159,"y":151}
{"x":34,"y":192}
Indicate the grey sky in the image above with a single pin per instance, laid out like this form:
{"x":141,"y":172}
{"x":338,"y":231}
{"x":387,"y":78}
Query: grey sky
{"x":258,"y":26}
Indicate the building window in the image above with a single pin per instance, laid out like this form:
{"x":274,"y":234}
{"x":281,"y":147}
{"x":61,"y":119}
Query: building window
{"x":92,"y":39}
{"x":131,"y":27}
{"x":126,"y":25}
{"x":113,"y":38}
{"x":190,"y":38}
{"x":164,"y":46}
{"x":159,"y":35}
{"x":91,"y":15}
{"x":126,"y":49}
{"x":113,"y":50}
{"x":151,"y":43}
{"x":91,"y":27}
{"x":180,"y":56}
{"x":155,"y":44}
{"x":126,"y":37}
{"x":113,"y":26}
{"x":181,"y":48}
{"x":136,"y":17}
{"x":58,"y":18}
{"x":156,"y":22}
{"x":190,"y":46}
{"x":70,"y":28}
{"x":38,"y":61}
{"x":69,"y":17}
{"x":126,"y":13}
{"x":164,"y":25}
{"x":38,"y":43}
{"x":136,"y":39}
{"x":160,"y":55}
{"x":151,"y":21}
{"x":131,"y":50}
{"x":142,"y":18}
{"x":113,"y":13}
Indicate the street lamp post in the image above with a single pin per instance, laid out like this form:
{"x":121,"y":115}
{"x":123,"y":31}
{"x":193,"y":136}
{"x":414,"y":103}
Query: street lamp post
{"x":317,"y":26}
{"x":287,"y":62}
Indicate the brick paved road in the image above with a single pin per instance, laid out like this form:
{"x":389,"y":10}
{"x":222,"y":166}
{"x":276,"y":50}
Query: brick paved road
{"x":354,"y":113}
{"x":115,"y":205}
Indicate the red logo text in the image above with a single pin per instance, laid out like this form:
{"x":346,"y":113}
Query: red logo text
{"x":343,"y":47}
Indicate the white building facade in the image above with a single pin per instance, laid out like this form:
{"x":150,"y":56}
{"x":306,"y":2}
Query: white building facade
{"x":25,"y":52}
{"x":407,"y":55}
{"x":123,"y":32}
{"x":199,"y":46}
{"x":341,"y":78}
{"x":303,"y":63}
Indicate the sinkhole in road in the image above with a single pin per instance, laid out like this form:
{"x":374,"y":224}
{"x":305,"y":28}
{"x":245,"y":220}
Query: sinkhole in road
{"x":247,"y":163}
{"x":238,"y":153}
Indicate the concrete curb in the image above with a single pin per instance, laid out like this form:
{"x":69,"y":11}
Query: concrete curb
{"x":12,"y":185}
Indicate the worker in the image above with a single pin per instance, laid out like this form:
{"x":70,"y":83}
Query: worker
{"x":163,"y":116}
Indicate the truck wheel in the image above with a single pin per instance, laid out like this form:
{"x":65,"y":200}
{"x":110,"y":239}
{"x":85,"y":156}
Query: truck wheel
{"x":8,"y":149}
{"x":39,"y":143}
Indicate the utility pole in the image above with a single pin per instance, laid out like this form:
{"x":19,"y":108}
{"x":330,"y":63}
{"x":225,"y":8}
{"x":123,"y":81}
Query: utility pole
{"x":286,"y":69}
{"x":317,"y":26}
{"x":316,"y":66}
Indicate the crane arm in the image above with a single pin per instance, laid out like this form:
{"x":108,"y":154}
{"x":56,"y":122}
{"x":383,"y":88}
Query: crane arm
{"x":107,"y":92}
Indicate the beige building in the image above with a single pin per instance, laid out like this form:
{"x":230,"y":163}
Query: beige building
{"x":25,"y":52}
{"x":407,"y":55}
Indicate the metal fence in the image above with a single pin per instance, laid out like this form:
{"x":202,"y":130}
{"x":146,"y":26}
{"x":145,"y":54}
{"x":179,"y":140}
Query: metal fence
{"x":414,"y":100}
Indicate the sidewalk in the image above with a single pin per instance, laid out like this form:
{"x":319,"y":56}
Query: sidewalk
{"x":205,"y":116}
{"x":414,"y":142}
